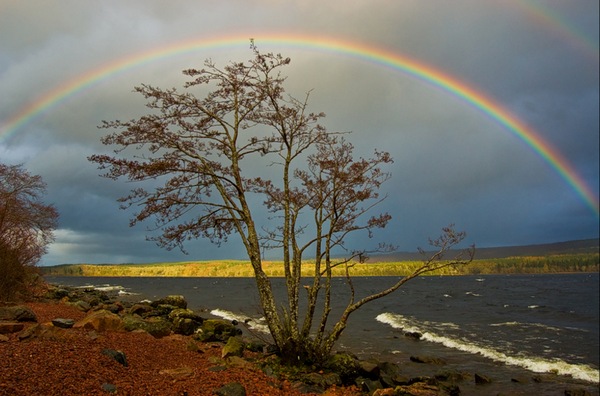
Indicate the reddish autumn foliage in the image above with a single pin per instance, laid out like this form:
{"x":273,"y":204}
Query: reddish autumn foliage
{"x":26,"y":228}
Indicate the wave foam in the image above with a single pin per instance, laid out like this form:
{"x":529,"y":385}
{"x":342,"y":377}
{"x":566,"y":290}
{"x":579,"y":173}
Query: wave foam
{"x":108,"y":288}
{"x":537,"y":365}
{"x":252,"y":323}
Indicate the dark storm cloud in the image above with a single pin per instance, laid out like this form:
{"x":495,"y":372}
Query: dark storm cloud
{"x":452,"y":162}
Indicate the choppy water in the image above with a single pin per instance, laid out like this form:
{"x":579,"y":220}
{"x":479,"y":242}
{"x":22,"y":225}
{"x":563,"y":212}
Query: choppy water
{"x":504,"y":327}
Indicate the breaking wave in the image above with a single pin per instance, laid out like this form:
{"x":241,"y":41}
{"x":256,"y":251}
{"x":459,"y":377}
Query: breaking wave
{"x":256,"y":324}
{"x":535,"y":364}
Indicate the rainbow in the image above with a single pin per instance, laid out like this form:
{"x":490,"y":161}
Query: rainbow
{"x":546,"y":17}
{"x":361,"y":51}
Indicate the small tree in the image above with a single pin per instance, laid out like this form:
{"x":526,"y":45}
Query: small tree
{"x":26,"y":228}
{"x":202,"y":150}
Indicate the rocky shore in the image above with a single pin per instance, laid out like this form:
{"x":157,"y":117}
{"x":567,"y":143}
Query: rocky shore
{"x":84,"y":341}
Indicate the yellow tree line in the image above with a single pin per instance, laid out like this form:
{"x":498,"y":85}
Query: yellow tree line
{"x":588,"y":262}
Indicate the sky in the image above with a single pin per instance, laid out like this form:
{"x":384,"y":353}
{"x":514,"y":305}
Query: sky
{"x":489,"y":108}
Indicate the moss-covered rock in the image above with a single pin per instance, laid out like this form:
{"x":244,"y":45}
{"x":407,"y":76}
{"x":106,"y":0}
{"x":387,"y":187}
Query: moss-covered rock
{"x":174,"y":300}
{"x":234,"y":347}
{"x":346,"y":365}
{"x":216,"y":330}
{"x":157,"y":327}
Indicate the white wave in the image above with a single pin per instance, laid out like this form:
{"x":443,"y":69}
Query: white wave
{"x":124,"y":293}
{"x":108,"y":288}
{"x":537,"y":365}
{"x":533,"y":306}
{"x":473,"y":294}
{"x":480,"y":279}
{"x":447,"y":295}
{"x":252,"y":323}
{"x":506,"y":324}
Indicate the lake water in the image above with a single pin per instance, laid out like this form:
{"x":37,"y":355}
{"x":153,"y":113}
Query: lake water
{"x":502,"y":326}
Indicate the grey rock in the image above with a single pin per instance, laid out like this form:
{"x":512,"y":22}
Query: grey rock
{"x":119,"y":356}
{"x":427,"y":360}
{"x":17,"y":313}
{"x":63,"y":323}
{"x":368,"y":385}
{"x":482,"y":379}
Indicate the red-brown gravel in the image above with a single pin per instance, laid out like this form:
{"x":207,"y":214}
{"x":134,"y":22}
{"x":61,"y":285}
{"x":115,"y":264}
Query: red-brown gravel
{"x":74,"y":364}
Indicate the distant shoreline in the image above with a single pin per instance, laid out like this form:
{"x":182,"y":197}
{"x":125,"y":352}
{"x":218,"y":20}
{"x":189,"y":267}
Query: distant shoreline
{"x":551,"y":264}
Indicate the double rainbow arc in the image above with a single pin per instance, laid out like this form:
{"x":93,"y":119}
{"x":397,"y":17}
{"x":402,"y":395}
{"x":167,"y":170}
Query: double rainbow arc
{"x":364,"y":52}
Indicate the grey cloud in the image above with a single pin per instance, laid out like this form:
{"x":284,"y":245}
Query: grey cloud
{"x":452,"y":162}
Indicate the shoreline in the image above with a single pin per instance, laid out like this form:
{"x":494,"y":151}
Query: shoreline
{"x":430,"y":370}
{"x":45,"y":359}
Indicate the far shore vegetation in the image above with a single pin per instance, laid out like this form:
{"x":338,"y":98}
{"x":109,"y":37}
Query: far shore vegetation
{"x":563,"y":263}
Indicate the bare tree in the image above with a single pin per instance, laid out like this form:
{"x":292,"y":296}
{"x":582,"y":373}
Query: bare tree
{"x":202,"y":152}
{"x":26,"y":228}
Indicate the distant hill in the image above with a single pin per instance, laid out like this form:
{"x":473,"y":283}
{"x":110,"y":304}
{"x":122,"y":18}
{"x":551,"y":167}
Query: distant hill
{"x":569,"y":247}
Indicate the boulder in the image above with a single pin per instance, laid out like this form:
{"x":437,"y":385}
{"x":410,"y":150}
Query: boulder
{"x":322,"y":380}
{"x":344,"y":364}
{"x":158,"y":327}
{"x":140,"y":309}
{"x":44,"y":331}
{"x":119,"y":356}
{"x":234,"y":347}
{"x":304,"y":388}
{"x":369,"y":368}
{"x":427,"y":360}
{"x":183,"y":313}
{"x":101,"y":321}
{"x":420,"y":389}
{"x":216,"y":330}
{"x":83,"y":306}
{"x":185,"y":321}
{"x":185,"y":326}
{"x":255,"y":346}
{"x":368,"y":385}
{"x":133,"y":322}
{"x":17,"y":313}
{"x":390,"y":375}
{"x":174,"y":300}
{"x":231,"y":389}
{"x":56,"y":293}
{"x":63,"y":323}
{"x":11,"y":327}
{"x":114,"y":307}
{"x":482,"y":379}
{"x":4,"y":338}
{"x":162,"y":310}
{"x":452,"y":376}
